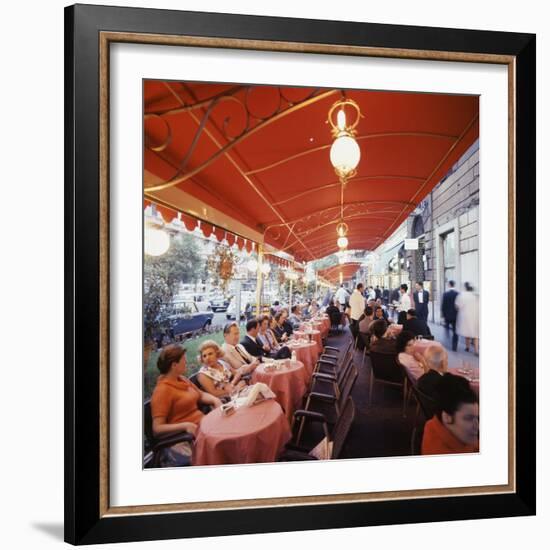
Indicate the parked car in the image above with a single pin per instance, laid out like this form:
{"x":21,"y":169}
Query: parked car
{"x":203,"y":304}
{"x":184,"y":319}
{"x":247,"y":298}
{"x":248,"y":309}
{"x":219,"y":303}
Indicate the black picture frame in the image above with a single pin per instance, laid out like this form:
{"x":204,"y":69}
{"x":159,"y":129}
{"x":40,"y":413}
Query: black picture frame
{"x":84,"y":522}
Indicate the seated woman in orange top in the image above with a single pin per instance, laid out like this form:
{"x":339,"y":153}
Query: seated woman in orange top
{"x":455,"y":426}
{"x":175,"y":399}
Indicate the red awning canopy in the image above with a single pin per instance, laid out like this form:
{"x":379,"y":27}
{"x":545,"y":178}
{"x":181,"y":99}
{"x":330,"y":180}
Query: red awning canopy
{"x":260,"y":156}
{"x":332,"y":274}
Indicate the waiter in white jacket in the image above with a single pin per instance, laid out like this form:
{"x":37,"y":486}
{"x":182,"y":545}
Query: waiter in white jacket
{"x":404,"y":299}
{"x":357,"y":306}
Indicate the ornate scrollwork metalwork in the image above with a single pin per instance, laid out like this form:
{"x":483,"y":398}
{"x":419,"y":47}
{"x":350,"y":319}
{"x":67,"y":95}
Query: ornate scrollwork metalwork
{"x":304,"y":229}
{"x":249,"y":123}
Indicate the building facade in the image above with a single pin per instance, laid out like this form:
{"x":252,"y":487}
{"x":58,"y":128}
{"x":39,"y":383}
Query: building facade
{"x":445,"y":229}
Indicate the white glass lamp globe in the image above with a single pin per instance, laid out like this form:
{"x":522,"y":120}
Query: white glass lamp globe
{"x":345,"y":153}
{"x":157,"y":241}
{"x":252,"y":265}
{"x":266,"y":268}
{"x":342,"y":242}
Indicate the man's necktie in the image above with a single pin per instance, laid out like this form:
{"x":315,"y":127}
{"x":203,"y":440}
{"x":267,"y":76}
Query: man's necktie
{"x":241,"y":353}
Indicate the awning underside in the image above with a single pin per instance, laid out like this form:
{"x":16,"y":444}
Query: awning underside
{"x":260,"y":155}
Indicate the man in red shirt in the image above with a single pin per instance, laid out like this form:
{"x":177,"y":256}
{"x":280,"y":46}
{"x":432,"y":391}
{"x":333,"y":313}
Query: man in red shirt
{"x":455,"y":426}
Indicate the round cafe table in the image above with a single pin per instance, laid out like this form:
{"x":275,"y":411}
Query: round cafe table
{"x":321,"y":326}
{"x":421,"y":346}
{"x":315,"y":336}
{"x":250,"y":435}
{"x":288,"y":384}
{"x":307,"y":353}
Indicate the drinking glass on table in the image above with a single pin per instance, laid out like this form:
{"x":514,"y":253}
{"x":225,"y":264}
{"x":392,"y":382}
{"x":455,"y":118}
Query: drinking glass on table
{"x":467,"y":368}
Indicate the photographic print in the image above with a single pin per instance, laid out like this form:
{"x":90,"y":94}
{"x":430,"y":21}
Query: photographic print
{"x":311,"y":286}
{"x":292,"y":279}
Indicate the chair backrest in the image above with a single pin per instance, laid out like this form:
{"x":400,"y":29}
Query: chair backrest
{"x":350,"y":346}
{"x":347,"y":385}
{"x":416,"y":439}
{"x":343,"y":371}
{"x":426,"y":402}
{"x":148,"y":422}
{"x":365,"y":338}
{"x":195,"y":379}
{"x":385,"y":367}
{"x":335,"y":317}
{"x":342,"y":427}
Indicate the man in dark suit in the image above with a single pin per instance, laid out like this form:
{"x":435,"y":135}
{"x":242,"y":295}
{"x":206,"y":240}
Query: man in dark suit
{"x":250,"y":342}
{"x":418,"y":327}
{"x":421,"y":299}
{"x":385,"y":296}
{"x":448,"y":311}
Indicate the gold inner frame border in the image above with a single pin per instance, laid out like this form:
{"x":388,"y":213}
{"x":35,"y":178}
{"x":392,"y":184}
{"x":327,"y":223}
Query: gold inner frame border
{"x":105,"y":39}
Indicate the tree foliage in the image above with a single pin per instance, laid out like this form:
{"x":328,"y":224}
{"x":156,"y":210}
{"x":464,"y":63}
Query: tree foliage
{"x":162,"y":276}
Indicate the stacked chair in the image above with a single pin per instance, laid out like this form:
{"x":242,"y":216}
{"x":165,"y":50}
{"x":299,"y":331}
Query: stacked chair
{"x":325,"y":403}
{"x":337,"y":436}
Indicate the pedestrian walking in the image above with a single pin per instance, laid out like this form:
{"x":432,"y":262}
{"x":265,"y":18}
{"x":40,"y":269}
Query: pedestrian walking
{"x":467,"y":321}
{"x":448,"y":311}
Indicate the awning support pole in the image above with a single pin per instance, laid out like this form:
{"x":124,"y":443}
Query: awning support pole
{"x":259,"y":280}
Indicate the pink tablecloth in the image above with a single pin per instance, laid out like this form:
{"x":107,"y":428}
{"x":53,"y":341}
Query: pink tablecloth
{"x":421,"y":346}
{"x":252,"y":434}
{"x":322,"y":325}
{"x":288,"y":384}
{"x":307,"y":353}
{"x":312,"y":335}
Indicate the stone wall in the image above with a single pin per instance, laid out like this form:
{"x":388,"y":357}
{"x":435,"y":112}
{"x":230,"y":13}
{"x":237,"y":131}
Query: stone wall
{"x":452,"y":204}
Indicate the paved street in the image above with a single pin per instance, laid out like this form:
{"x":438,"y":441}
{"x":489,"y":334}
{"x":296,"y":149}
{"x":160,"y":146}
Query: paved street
{"x":455,"y":357}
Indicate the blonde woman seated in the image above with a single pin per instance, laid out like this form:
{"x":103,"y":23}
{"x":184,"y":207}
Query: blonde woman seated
{"x":216,"y":375}
{"x":437,"y":362}
{"x":174,"y":403}
{"x":412,"y":361}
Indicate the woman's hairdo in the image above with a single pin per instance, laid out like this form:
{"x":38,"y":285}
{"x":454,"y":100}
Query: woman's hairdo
{"x":211,"y":344}
{"x":172,"y":353}
{"x":378,"y":328}
{"x":451,"y":393}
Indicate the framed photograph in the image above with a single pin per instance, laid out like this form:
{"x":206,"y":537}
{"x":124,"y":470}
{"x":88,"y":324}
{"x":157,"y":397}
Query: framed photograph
{"x":293,"y":274}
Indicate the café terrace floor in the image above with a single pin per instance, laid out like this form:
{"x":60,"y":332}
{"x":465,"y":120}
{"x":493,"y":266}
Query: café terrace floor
{"x":380,"y":429}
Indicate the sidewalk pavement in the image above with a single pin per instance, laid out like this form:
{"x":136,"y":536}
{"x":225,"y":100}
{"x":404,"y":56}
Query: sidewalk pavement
{"x":455,"y":357}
